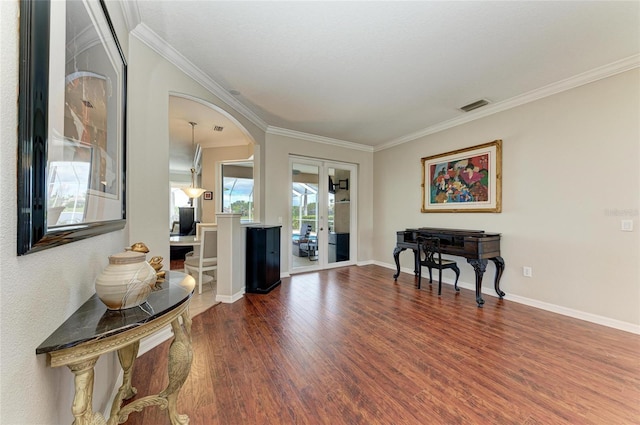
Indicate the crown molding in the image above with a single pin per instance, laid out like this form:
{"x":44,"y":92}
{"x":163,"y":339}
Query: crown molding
{"x":153,"y":41}
{"x":581,"y":79}
{"x":131,"y":14}
{"x":157,"y":44}
{"x":160,"y":46}
{"x":318,"y":139}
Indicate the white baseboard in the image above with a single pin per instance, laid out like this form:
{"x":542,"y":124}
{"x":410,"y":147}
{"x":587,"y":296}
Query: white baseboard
{"x":230,"y":299}
{"x":576,"y":314}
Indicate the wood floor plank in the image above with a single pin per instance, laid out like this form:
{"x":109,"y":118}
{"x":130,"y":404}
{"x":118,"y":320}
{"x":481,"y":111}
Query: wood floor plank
{"x":353,"y":346}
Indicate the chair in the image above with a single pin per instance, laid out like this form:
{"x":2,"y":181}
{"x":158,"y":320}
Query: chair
{"x":206,"y":258}
{"x":429,"y":256}
{"x":301,"y":245}
{"x":175,"y":228}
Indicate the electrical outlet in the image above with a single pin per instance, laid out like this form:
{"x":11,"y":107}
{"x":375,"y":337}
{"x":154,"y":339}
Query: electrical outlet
{"x":527,"y":271}
{"x":626,"y":225}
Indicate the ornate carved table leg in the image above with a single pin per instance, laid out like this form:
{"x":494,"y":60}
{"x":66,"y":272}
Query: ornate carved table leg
{"x":186,"y":320}
{"x":396,"y":255}
{"x":479,"y":266}
{"x":499,"y":262}
{"x":180,"y":357}
{"x":82,"y":409}
{"x":127,"y":356}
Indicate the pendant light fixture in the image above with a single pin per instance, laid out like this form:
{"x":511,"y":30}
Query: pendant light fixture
{"x":193,"y":191}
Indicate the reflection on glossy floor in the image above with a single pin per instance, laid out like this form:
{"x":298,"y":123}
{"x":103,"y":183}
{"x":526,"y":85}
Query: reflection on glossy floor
{"x":202,"y":302}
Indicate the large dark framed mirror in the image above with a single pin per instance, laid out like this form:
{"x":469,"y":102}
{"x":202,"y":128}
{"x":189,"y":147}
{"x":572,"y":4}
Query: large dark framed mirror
{"x":72,"y":124}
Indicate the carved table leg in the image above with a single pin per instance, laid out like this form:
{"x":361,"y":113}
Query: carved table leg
{"x":479,"y":266}
{"x":499,"y":262}
{"x":186,"y":320}
{"x":396,"y":255}
{"x":180,"y":358}
{"x":127,"y":356}
{"x":82,"y":408}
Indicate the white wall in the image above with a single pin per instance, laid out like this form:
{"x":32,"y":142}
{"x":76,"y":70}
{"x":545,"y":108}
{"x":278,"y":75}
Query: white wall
{"x":570,"y":174}
{"x":39,"y":291}
{"x":278,"y":192}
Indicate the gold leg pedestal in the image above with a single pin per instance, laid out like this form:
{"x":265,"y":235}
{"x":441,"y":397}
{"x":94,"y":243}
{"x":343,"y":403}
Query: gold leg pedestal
{"x":93,"y":330}
{"x":82,"y":408}
{"x":180,"y":358}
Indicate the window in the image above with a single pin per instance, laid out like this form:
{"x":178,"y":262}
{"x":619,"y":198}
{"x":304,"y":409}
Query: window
{"x":68,"y":185}
{"x":304,"y":204}
{"x":178,"y":199}
{"x":237,"y":189}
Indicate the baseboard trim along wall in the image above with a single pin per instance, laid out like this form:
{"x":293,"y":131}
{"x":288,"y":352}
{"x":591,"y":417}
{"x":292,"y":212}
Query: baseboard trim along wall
{"x":576,"y":314}
{"x":230,"y":299}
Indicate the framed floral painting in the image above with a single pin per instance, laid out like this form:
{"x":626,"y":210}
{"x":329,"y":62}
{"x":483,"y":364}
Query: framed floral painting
{"x":464,"y":180}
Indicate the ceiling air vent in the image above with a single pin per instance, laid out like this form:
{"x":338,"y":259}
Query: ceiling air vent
{"x":475,"y":105}
{"x":217,"y":128}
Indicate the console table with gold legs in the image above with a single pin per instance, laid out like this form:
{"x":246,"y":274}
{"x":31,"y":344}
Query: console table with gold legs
{"x":94,"y":330}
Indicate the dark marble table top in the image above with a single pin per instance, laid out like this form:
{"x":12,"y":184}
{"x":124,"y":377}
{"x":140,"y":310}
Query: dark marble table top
{"x":93,"y":321}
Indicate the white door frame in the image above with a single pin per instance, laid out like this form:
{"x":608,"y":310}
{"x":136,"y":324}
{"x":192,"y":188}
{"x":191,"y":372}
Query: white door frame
{"x":322,"y":213}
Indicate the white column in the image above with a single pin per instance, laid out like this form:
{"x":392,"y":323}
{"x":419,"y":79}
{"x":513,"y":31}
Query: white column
{"x":231,"y":258}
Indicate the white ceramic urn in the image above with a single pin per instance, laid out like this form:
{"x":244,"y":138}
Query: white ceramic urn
{"x":126,"y":282}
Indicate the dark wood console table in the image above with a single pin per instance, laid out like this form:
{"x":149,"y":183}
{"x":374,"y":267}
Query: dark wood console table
{"x":475,"y":245}
{"x":94,"y":330}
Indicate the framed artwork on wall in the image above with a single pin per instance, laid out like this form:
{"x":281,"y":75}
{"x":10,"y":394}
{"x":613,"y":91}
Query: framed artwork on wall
{"x":208,"y":195}
{"x":464,"y":180}
{"x":72,"y":124}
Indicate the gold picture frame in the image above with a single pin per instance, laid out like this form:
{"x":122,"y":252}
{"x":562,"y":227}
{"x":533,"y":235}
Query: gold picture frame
{"x":464,"y":180}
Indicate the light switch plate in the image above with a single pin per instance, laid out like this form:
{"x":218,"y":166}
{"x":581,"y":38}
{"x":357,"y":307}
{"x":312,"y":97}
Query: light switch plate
{"x":626,"y":225}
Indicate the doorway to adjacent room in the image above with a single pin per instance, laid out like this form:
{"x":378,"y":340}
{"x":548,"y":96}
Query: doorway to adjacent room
{"x":323,"y":214}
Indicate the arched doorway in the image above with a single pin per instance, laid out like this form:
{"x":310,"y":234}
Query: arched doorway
{"x":216,"y":139}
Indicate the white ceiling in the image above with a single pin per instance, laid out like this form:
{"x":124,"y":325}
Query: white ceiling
{"x":377,"y":72}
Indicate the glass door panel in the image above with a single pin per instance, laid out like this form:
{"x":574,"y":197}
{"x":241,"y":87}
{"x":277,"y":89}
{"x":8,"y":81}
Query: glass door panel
{"x":323,"y":214}
{"x":305,"y":222}
{"x":339,"y":214}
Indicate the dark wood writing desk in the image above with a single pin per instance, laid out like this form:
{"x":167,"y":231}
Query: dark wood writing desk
{"x":475,"y":245}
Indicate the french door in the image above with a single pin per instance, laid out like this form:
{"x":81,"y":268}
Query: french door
{"x":323,"y":214}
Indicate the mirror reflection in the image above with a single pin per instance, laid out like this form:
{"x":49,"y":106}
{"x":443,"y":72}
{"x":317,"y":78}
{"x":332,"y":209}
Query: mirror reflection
{"x":84,"y":147}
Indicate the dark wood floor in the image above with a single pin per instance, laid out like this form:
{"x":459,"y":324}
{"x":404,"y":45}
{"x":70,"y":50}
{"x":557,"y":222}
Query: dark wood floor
{"x":176,"y":265}
{"x":351,"y":346}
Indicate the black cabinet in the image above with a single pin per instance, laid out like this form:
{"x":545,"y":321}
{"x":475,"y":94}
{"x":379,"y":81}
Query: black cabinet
{"x":186,"y":220}
{"x":263,"y":258}
{"x":338,"y":247}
